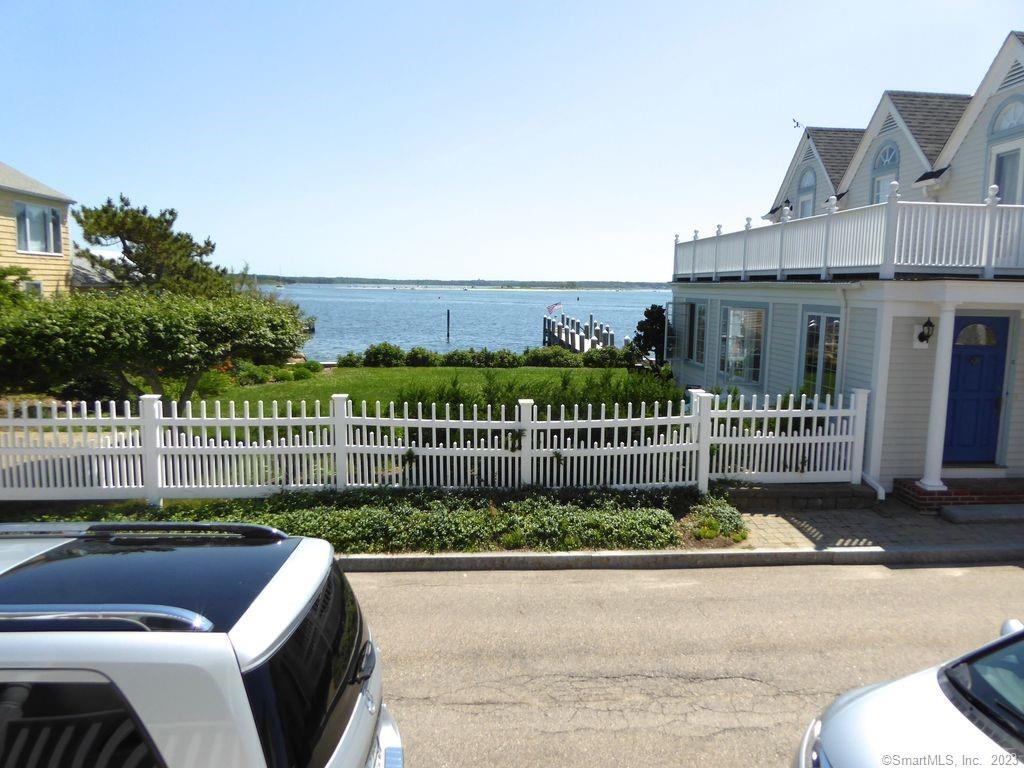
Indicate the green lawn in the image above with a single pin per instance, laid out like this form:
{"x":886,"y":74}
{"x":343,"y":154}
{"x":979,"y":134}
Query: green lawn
{"x":384,"y":384}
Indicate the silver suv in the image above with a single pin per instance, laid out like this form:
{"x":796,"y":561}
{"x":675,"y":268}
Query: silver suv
{"x":203,"y":645}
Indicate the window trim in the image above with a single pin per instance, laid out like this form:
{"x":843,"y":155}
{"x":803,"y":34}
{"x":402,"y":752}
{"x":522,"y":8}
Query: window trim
{"x":762,"y":371}
{"x":1007,"y":133}
{"x":825,"y":313}
{"x":58,"y":243}
{"x":884,"y":171}
{"x":697,"y":305}
{"x":996,"y":148}
{"x":806,"y":192}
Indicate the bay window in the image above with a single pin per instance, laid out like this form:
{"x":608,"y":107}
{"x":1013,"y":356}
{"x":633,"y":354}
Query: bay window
{"x":742,"y":336}
{"x":38,"y":228}
{"x":821,"y":354}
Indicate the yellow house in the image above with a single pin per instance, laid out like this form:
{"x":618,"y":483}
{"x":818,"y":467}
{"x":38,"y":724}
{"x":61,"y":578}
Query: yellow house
{"x":34,"y":231}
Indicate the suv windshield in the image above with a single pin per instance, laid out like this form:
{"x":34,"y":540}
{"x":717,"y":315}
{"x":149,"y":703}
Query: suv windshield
{"x":993,"y":681}
{"x":303,"y":696}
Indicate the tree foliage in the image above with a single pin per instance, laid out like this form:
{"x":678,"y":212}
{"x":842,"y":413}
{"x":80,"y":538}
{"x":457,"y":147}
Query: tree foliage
{"x":650,"y":333}
{"x":142,"y":339}
{"x":153,"y":255}
{"x":11,"y":291}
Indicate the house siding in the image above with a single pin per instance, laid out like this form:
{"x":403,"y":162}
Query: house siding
{"x":859,"y":192}
{"x":783,"y":343}
{"x":53,"y":272}
{"x":823,"y":187}
{"x":858,"y":363}
{"x":969,"y":172}
{"x":908,"y":401}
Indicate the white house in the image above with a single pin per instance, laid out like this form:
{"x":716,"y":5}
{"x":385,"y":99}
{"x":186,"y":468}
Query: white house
{"x":893,"y":261}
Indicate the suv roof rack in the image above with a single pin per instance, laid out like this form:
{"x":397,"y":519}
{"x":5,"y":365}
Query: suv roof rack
{"x":132,"y":528}
{"x":146,"y":618}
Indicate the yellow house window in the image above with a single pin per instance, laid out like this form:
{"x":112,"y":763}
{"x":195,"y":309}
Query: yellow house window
{"x":38,"y":228}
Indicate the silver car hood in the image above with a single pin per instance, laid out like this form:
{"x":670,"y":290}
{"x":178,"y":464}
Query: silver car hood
{"x":907,"y":718}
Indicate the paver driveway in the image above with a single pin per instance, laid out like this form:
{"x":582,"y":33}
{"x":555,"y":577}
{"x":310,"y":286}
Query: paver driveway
{"x":656,"y":668}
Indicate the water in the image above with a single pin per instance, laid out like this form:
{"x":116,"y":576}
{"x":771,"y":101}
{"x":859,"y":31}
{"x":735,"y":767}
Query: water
{"x":350,"y":319}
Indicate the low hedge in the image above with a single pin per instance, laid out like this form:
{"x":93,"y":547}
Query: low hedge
{"x":387,"y":355}
{"x":439,"y":521}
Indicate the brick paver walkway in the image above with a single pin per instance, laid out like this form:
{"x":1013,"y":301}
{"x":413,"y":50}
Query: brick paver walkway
{"x":891,"y":523}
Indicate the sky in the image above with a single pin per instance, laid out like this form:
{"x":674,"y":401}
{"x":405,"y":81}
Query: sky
{"x":532,"y":140}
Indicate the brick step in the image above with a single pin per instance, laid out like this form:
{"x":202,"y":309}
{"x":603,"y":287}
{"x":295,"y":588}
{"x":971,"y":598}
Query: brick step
{"x":806,"y":496}
{"x":960,"y":492}
{"x":983,"y":513}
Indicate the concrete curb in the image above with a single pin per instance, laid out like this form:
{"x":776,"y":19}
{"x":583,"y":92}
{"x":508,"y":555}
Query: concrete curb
{"x":708,"y":558}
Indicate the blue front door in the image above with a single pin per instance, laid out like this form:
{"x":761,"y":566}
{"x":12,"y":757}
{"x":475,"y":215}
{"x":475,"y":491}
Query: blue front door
{"x":976,"y":388}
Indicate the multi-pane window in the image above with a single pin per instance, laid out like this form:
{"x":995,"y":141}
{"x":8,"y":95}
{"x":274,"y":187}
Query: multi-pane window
{"x":805,"y":194}
{"x":38,"y":228}
{"x":742,"y":336}
{"x":821,"y":354}
{"x":696,"y":331}
{"x":885,"y":170}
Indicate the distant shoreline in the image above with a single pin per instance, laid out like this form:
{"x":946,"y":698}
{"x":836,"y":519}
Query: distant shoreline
{"x":365,"y":282}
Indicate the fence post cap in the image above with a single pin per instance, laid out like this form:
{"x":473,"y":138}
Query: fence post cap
{"x":339,"y":397}
{"x":894,"y":191}
{"x":149,"y":397}
{"x":526,"y":401}
{"x":993,"y":195}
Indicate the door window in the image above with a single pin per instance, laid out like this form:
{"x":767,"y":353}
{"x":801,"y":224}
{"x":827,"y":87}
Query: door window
{"x":1007,"y":176}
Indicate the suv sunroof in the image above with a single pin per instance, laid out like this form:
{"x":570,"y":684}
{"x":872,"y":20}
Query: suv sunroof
{"x":216,"y":577}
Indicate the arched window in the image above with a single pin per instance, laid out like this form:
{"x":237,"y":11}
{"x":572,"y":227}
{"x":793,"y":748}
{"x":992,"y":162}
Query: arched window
{"x":885,"y":170}
{"x":976,"y":335}
{"x":1006,"y":139}
{"x":805,"y":194}
{"x":1010,"y":117}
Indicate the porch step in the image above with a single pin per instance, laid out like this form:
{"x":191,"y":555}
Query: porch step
{"x":804,"y":496}
{"x":983,"y":513}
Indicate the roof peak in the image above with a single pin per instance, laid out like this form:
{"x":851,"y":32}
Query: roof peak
{"x":830,"y":128}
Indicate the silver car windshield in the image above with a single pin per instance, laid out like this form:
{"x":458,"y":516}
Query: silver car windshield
{"x":994,"y":682}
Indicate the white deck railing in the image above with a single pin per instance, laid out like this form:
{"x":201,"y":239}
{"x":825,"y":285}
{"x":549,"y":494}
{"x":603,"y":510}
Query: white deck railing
{"x":984,"y":239}
{"x":66,"y":452}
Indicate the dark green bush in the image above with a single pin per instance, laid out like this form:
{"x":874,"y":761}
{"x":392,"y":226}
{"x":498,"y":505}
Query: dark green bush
{"x":247,"y":373}
{"x":605,"y":357}
{"x":421,"y":357}
{"x":315,"y":366}
{"x":552,"y":357}
{"x":284,"y":374}
{"x":350,"y":360}
{"x":212,"y":384}
{"x":302,"y":373}
{"x":505,"y":358}
{"x":714,"y":516}
{"x":460,"y":358}
{"x":383,"y":355}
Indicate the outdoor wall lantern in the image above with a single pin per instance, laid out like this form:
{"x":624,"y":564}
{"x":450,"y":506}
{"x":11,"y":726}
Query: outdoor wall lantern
{"x":926,"y":331}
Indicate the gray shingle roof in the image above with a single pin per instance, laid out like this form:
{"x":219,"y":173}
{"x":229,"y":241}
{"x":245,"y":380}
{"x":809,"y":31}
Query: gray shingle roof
{"x":11,"y":178}
{"x":836,"y":147}
{"x":931,"y":117}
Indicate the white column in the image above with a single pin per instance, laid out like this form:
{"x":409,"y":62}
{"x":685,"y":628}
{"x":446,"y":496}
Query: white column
{"x":526,"y":443}
{"x":942,"y":343}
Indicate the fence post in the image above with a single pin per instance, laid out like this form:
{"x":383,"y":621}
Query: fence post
{"x":526,"y":442}
{"x":887,"y":271}
{"x":989,"y":247}
{"x":700,"y":404}
{"x":860,"y":407}
{"x":830,"y":208}
{"x":746,"y":236}
{"x":781,"y":271}
{"x":718,"y":239}
{"x":339,"y":425}
{"x":693,"y":256}
{"x":150,"y":410}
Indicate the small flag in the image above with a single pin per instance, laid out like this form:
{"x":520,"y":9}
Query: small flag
{"x":552,"y":308}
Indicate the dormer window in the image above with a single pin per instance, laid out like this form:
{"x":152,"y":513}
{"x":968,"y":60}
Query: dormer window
{"x":1010,"y":118}
{"x":1006,"y":142}
{"x":885,"y":170}
{"x":805,"y":194}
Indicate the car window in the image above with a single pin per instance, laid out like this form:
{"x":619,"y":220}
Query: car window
{"x":993,"y":681}
{"x":71,"y":724}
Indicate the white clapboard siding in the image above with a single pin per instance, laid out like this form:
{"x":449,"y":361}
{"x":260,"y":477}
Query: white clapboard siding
{"x":109,"y":451}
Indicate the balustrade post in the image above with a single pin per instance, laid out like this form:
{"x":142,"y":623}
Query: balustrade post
{"x":718,"y":239}
{"x":887,"y":269}
{"x":150,"y":411}
{"x":830,"y":208}
{"x":989,"y":243}
{"x":693,"y":257}
{"x":339,"y":423}
{"x":746,"y":236}
{"x":780,"y":273}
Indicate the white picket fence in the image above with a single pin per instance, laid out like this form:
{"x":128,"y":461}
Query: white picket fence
{"x":113,"y":452}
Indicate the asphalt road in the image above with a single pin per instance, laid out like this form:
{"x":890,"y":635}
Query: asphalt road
{"x":715,"y":667}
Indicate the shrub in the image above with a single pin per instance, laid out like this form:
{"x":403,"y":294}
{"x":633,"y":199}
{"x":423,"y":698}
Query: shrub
{"x":505,"y":358}
{"x":283,"y":374}
{"x":212,"y":383}
{"x":350,"y":360}
{"x":605,"y":357}
{"x":383,"y":355}
{"x":301,"y":374}
{"x":247,"y":373}
{"x":715,"y":516}
{"x":420,"y":357}
{"x":552,"y":357}
{"x":314,"y":366}
{"x":460,"y":358}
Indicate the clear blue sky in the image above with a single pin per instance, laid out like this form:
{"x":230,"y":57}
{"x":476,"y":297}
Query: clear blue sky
{"x":525,"y":140}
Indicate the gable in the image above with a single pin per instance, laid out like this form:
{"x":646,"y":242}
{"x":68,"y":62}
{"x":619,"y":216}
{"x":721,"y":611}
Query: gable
{"x":827,"y":152}
{"x":930,"y":117}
